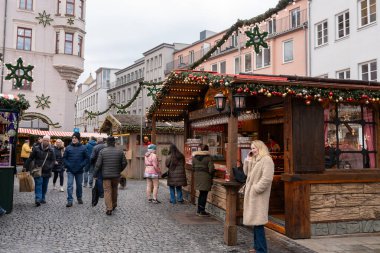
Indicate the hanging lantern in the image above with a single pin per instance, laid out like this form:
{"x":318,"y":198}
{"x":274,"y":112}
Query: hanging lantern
{"x":220,"y":101}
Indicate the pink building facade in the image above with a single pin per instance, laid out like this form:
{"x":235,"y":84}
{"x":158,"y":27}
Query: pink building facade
{"x":286,"y":54}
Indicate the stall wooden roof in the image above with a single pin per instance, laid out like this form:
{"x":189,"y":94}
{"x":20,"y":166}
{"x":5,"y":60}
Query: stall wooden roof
{"x":182,"y":88}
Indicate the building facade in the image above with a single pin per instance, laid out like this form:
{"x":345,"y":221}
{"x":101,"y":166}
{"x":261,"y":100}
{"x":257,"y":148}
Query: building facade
{"x":49,"y":35}
{"x":344,"y":39}
{"x":92,"y":96}
{"x":127,"y":83}
{"x":286,"y":54}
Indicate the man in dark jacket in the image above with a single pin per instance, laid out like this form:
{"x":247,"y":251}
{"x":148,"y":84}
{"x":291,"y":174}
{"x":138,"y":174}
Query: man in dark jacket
{"x":94,"y":157}
{"x":111,"y":162}
{"x":88,"y":169}
{"x":43,"y":156}
{"x":75,"y":159}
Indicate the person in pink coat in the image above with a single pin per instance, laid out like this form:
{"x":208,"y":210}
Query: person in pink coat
{"x":152,"y":174}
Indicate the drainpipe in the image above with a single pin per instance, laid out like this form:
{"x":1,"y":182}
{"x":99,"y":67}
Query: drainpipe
{"x":308,"y":46}
{"x":4,"y":32}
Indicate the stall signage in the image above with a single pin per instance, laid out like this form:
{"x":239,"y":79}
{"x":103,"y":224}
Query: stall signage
{"x":205,"y":113}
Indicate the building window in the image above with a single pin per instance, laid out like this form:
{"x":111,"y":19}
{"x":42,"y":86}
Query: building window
{"x":69,"y":43}
{"x":223,"y":67}
{"x":58,"y":7}
{"x":160,"y":60}
{"x":214,"y":67}
{"x":205,"y":48}
{"x":272,"y":26}
{"x":217,"y":51}
{"x":80,"y":46}
{"x":128,"y":78}
{"x":24,"y":39}
{"x":248,"y":62}
{"x":70,"y":7}
{"x":129,"y":94}
{"x":237,"y":65}
{"x":180,"y":59}
{"x":367,"y":12}
{"x":123,"y":96}
{"x":191,"y":54}
{"x":57,"y":42}
{"x":343,"y":24}
{"x":350,"y":141}
{"x":147,"y":65}
{"x":295,"y":18}
{"x":321,"y":33}
{"x":368,"y":71}
{"x":234,"y":41}
{"x":81,"y":9}
{"x":288,"y":51}
{"x":343,"y":74}
{"x":26,"y":5}
{"x":263,"y":58}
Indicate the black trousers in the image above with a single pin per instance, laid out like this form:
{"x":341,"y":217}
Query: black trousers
{"x":60,"y":173}
{"x":202,"y":201}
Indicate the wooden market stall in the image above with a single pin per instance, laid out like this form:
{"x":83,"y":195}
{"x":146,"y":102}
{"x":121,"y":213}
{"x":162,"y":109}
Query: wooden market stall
{"x":322,"y":135}
{"x":127,"y":129}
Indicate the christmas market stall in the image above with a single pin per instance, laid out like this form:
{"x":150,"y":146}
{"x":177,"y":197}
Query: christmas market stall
{"x":322,"y":135}
{"x":134,"y":135}
{"x":11,"y":107}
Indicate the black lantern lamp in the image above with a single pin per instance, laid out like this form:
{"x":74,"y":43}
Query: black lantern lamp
{"x":220,"y":101}
{"x":239,"y":102}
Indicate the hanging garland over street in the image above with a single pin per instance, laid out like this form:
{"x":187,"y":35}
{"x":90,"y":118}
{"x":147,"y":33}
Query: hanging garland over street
{"x":121,"y":108}
{"x":241,"y":23}
{"x":19,"y":73}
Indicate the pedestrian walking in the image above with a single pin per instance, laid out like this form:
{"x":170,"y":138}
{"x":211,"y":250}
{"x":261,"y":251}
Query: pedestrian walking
{"x":204,"y":170}
{"x":152,"y":173}
{"x":25,"y":151}
{"x":94,"y":157}
{"x":259,"y":168}
{"x":58,"y":169}
{"x":37,"y":142}
{"x":89,"y":170}
{"x":43,"y":157}
{"x":176,"y":174}
{"x":75,"y":158}
{"x":111,"y":162}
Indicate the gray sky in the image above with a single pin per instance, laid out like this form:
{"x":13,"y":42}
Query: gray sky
{"x":119,"y":31}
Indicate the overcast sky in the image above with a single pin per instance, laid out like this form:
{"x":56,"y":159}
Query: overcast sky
{"x":119,"y":31}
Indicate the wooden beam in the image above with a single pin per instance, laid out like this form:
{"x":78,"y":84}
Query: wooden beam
{"x":153,"y":134}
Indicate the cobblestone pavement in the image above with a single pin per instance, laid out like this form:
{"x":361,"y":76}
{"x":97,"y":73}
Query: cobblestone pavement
{"x":135,"y":226}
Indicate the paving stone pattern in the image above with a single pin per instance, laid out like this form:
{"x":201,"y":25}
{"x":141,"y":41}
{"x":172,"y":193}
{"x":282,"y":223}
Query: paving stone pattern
{"x":135,"y":226}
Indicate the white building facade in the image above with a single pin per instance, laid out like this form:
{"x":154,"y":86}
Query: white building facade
{"x":50,"y":36}
{"x":92,"y":96}
{"x":344,"y":39}
{"x":127,"y":83}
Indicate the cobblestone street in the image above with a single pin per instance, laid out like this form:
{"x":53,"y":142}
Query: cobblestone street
{"x":136,"y":226}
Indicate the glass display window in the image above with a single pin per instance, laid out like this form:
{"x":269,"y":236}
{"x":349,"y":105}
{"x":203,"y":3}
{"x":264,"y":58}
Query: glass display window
{"x":349,"y":137}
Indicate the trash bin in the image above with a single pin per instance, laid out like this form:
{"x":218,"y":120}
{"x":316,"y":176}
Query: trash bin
{"x":6,"y":188}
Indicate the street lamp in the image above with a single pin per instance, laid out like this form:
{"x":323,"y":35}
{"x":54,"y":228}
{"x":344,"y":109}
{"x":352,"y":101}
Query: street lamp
{"x":220,"y":101}
{"x":238,"y":103}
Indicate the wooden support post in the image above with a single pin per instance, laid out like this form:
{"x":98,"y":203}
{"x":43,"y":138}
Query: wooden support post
{"x":153,"y":133}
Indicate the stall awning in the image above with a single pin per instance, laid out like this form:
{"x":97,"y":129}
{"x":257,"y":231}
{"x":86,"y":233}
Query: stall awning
{"x":57,"y":133}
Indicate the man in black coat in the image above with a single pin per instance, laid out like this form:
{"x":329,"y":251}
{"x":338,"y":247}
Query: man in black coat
{"x":111,"y":162}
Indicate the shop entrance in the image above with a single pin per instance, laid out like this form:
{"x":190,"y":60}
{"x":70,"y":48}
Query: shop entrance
{"x":271,"y":131}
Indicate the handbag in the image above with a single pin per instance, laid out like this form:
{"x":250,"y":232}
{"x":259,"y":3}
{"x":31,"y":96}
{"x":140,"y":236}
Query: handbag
{"x":124,"y":173}
{"x":25,"y":182}
{"x":37,"y":171}
{"x":95,"y":195}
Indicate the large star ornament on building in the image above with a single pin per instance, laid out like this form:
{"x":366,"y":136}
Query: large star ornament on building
{"x":70,"y":21}
{"x":44,"y":19}
{"x":43,"y":101}
{"x":19,"y":72}
{"x":256,"y":39}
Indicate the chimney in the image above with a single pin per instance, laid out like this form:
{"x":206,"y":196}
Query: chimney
{"x":205,"y":34}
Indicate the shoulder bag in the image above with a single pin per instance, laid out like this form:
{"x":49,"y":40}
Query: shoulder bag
{"x":37,"y":171}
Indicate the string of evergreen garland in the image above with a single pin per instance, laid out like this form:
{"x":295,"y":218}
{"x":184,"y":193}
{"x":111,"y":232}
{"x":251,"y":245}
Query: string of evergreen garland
{"x":20,"y":104}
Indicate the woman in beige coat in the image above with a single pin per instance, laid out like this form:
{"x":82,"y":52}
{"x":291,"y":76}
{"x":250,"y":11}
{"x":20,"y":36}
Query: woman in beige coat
{"x":259,"y":168}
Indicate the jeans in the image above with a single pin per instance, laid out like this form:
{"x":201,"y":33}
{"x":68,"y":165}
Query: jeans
{"x":88,"y":178}
{"x":173,"y":189}
{"x":70,"y":186}
{"x":60,"y":173}
{"x":99,"y":183}
{"x":259,"y":241}
{"x":202,"y":199}
{"x":40,"y":188}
